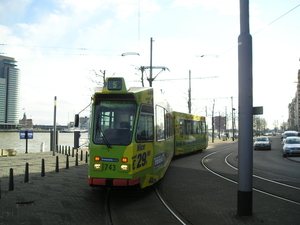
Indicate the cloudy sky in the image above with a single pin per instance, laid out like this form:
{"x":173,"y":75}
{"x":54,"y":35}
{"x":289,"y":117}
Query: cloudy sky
{"x":60,"y":43}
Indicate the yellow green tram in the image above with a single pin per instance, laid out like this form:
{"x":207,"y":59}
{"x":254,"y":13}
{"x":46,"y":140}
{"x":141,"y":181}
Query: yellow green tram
{"x":131,"y":139}
{"x":134,"y":134}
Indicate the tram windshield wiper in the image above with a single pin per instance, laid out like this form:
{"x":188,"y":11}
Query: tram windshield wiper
{"x":105,"y":139}
{"x":98,"y":129}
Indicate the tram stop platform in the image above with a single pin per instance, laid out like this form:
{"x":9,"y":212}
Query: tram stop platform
{"x":59,"y":196}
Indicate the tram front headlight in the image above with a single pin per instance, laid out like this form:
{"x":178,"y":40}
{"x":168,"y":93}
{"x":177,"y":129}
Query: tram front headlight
{"x":124,"y":167}
{"x":97,"y":166}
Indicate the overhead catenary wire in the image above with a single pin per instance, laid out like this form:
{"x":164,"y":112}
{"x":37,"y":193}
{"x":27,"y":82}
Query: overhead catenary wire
{"x":278,"y":18}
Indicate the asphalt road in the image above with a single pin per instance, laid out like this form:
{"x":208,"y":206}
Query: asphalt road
{"x":266,"y":162}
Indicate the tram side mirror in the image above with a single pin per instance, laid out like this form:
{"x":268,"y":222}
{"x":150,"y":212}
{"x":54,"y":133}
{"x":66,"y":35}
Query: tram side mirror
{"x":76,"y":123}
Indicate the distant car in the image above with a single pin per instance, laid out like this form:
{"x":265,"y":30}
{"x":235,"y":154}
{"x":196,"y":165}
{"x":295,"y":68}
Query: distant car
{"x":291,"y":146}
{"x":224,"y":137}
{"x":289,"y":133}
{"x":262,"y":143}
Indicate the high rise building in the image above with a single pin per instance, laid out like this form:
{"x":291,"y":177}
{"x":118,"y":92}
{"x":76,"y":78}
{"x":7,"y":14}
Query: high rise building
{"x":9,"y":93}
{"x":294,"y":109}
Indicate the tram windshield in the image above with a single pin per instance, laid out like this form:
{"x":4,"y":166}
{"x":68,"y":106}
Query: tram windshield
{"x":113,"y":122}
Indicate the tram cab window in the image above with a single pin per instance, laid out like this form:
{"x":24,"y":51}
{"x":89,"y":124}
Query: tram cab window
{"x":145,"y":129}
{"x":113,"y":122}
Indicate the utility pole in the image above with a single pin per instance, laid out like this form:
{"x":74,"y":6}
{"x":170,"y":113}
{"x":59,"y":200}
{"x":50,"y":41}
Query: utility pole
{"x":246,"y":110}
{"x":54,"y":129}
{"x":213,"y":123}
{"x":150,"y":79}
{"x":190,"y":90}
{"x":232,"y":118}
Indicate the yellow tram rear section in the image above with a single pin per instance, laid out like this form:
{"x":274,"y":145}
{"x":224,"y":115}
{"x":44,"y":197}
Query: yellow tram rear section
{"x":190,"y":133}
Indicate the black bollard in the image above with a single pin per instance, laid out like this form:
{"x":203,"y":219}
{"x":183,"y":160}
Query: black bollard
{"x":57,"y":166}
{"x":11,"y":179}
{"x":76,"y":161}
{"x":69,"y":150}
{"x":43,"y":168}
{"x":73,"y":152}
{"x":67,"y":162}
{"x":26,"y":178}
{"x":63,"y":150}
{"x":81,"y":155}
{"x":86,"y":157}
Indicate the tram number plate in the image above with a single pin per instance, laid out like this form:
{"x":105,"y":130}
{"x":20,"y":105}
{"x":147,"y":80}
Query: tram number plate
{"x":110,"y":167}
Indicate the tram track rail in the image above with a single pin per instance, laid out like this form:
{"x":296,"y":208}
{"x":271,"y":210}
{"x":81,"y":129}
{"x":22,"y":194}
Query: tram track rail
{"x":173,"y":212}
{"x":127,"y":207}
{"x":108,"y":215}
{"x":292,"y":159}
{"x":204,"y":164}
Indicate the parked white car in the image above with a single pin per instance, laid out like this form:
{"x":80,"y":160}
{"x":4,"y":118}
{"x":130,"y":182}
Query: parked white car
{"x":291,"y":146}
{"x":289,"y":133}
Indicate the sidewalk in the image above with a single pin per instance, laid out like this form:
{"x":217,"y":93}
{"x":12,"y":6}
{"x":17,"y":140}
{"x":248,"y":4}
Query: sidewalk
{"x":220,"y":141}
{"x":51,"y":199}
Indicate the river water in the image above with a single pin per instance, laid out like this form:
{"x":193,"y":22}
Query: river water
{"x":12,"y":140}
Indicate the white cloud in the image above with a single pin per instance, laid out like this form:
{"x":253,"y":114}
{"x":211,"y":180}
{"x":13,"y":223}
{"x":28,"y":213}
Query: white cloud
{"x":229,"y":7}
{"x":80,"y":6}
{"x":57,"y":46}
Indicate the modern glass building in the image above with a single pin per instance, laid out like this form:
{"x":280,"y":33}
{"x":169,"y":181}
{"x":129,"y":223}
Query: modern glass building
{"x":9,"y":93}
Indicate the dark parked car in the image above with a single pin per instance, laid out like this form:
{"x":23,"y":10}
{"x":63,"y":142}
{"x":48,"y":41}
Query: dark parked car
{"x":262,"y":143}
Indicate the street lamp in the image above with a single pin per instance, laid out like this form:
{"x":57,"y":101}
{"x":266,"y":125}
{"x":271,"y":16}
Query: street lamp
{"x":130,"y":53}
{"x":214,"y":55}
{"x":233,"y":112}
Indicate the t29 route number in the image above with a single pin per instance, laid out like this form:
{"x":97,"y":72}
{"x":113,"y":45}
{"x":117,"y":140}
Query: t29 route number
{"x":140,"y":161}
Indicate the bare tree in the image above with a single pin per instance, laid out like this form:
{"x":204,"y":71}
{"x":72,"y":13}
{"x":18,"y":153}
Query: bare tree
{"x":99,"y":78}
{"x":142,"y":69}
{"x":259,"y":124}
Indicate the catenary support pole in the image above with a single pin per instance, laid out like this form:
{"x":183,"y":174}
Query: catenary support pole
{"x":150,"y":79}
{"x":190,"y":94}
{"x":54,"y":128}
{"x":245,"y":153}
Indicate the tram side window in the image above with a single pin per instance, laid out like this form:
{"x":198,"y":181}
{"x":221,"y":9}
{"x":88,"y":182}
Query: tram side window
{"x":203,"y":127}
{"x":181,"y":127}
{"x":160,"y":123}
{"x":196,"y":127}
{"x":145,"y":128}
{"x":168,"y":124}
{"x":188,"y":126}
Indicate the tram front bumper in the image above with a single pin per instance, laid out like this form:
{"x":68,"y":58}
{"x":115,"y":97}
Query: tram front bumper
{"x":113,"y":182}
